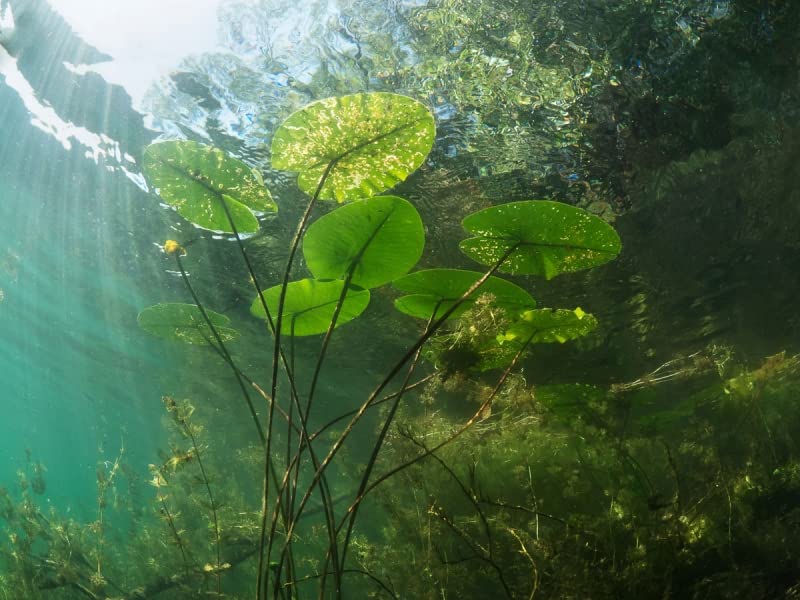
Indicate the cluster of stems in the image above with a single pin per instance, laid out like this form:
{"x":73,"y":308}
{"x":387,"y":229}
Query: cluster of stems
{"x":283,"y":499}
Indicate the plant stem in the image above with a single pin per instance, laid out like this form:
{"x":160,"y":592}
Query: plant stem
{"x":262,"y":578}
{"x":174,"y":530}
{"x":350,"y":516}
{"x":226,"y":355}
{"x":392,"y":373}
{"x":472,"y":420}
{"x":188,"y":430}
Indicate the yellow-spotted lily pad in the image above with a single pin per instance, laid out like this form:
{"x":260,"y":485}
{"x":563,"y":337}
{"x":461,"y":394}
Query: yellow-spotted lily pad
{"x":362,"y":144}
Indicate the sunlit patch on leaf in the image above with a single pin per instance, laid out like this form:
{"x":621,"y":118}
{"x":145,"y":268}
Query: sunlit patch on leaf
{"x":371,"y":142}
{"x":538,"y":326}
{"x":547,"y":325}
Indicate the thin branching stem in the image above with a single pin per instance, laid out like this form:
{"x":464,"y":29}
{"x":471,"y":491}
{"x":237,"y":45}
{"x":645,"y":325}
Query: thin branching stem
{"x":468,"y":494}
{"x":351,"y":515}
{"x":221,"y":345}
{"x":389,"y":377}
{"x":530,"y":511}
{"x":187,"y":429}
{"x":477,"y":551}
{"x":472,"y":420}
{"x":265,"y":543}
{"x":380,"y":583}
{"x":383,"y":400}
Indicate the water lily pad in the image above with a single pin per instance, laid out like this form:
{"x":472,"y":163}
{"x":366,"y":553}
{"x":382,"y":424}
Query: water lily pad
{"x":310,"y":304}
{"x":196,"y":179}
{"x":184,"y":323}
{"x":549,"y":238}
{"x":438,"y":289}
{"x":540,"y":326}
{"x":379,"y":239}
{"x":369,"y":142}
{"x":548,"y":325}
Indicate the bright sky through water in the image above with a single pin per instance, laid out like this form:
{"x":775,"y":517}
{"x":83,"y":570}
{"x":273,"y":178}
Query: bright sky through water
{"x":146,"y":38}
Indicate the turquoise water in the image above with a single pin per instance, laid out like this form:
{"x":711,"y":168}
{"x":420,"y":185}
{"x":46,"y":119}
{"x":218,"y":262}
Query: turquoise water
{"x":79,"y":379}
{"x":653,"y":457}
{"x":78,"y":376}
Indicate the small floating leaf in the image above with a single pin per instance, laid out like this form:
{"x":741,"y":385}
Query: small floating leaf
{"x":380,"y":239}
{"x":549,"y":238}
{"x":438,"y":289}
{"x":197,"y":179}
{"x":539,"y":326}
{"x":369,"y":142}
{"x":310,"y":304}
{"x":184,"y":323}
{"x":549,"y":325}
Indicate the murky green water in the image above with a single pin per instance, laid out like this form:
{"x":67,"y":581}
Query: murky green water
{"x":640,"y":443}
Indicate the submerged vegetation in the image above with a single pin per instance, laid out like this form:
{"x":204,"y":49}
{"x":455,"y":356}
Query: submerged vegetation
{"x":462,"y":472}
{"x":480,"y":482}
{"x":346,"y":149}
{"x":349,"y":149}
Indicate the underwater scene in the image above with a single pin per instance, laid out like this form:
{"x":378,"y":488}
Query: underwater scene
{"x":405,"y":299}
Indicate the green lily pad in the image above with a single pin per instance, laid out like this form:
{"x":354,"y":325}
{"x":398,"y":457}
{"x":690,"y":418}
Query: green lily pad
{"x":548,"y":325}
{"x":196,"y":179}
{"x":379,"y":239}
{"x":539,"y":326}
{"x":184,"y":323}
{"x":549,"y":238}
{"x":370,"y":142}
{"x":438,"y":289}
{"x":310,"y":304}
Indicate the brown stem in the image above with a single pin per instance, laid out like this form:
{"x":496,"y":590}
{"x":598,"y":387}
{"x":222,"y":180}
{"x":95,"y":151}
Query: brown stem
{"x":392,"y":373}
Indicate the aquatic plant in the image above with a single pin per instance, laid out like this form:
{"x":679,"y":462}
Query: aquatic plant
{"x":559,"y":483}
{"x":564,"y":482}
{"x":140,"y":545}
{"x":351,"y":149}
{"x":483,"y":483}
